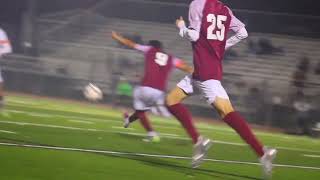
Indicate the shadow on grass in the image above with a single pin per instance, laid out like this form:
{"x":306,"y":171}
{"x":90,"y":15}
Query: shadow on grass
{"x":188,"y":171}
{"x":169,"y":165}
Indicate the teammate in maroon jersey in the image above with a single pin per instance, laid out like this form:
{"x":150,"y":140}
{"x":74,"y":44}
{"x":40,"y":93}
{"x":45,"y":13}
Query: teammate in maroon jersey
{"x":210,"y":21}
{"x":151,"y":91}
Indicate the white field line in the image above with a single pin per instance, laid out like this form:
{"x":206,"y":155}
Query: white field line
{"x":142,"y":134}
{"x":8,"y":132}
{"x":62,"y":116}
{"x":169,"y":134}
{"x":59,"y":109}
{"x":201,"y":127}
{"x":83,"y":122}
{"x":148,"y":155}
{"x":120,"y":127}
{"x":97,"y":130}
{"x":24,"y":102}
{"x":311,"y":156}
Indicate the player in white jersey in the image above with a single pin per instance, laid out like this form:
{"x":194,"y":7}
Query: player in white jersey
{"x":5,"y":48}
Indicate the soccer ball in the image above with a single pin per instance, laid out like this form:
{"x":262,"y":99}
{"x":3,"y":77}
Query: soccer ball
{"x":92,"y":92}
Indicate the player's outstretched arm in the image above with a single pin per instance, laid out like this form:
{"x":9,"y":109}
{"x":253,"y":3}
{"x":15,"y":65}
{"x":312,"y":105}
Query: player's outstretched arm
{"x":123,"y":40}
{"x":181,"y":65}
{"x":190,"y":34}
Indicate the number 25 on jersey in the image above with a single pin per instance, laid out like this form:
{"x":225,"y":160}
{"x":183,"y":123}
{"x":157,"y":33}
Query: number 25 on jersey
{"x":216,"y":31}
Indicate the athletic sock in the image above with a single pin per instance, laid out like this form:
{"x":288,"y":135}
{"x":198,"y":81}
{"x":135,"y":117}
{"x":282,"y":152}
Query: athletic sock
{"x":184,"y":116}
{"x":239,"y":124}
{"x":141,"y":115}
{"x":144,"y":120}
{"x":133,"y":117}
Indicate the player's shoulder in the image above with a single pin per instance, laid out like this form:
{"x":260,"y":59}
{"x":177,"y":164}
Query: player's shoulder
{"x":229,"y":10}
{"x":2,"y":31}
{"x":2,"y":34}
{"x":196,"y":3}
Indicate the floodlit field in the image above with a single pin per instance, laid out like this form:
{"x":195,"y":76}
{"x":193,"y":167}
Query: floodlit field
{"x":42,"y":139}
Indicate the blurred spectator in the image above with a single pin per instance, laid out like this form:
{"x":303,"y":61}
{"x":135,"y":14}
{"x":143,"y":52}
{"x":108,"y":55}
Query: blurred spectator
{"x":263,"y":46}
{"x":276,"y":111}
{"x":299,"y":78}
{"x":230,"y":54}
{"x":304,"y":64}
{"x":302,"y":114}
{"x":255,"y":99}
{"x":252,"y":47}
{"x":317,"y":70}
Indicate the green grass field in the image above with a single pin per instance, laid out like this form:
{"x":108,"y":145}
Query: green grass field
{"x":42,"y":139}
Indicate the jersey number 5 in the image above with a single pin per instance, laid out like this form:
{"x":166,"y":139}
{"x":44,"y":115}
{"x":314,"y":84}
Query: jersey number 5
{"x":161,"y":59}
{"x":217,"y":24}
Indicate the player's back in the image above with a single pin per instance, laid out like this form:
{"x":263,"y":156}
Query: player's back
{"x":210,"y":47}
{"x":158,"y":66}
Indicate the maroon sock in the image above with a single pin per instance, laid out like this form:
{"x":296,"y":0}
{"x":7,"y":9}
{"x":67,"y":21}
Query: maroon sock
{"x":133,"y":117}
{"x":239,"y":124}
{"x":184,"y":116}
{"x":144,"y":121}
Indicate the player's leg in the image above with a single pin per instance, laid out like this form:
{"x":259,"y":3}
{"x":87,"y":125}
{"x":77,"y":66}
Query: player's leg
{"x":145,"y":122}
{"x":144,"y":98}
{"x":180,"y":112}
{"x":173,"y":100}
{"x":238,"y":123}
{"x":220,"y":101}
{"x":139,"y":106}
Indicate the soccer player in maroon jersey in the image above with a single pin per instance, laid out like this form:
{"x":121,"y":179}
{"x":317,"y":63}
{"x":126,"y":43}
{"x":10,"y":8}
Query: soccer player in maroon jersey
{"x":151,"y":91}
{"x":210,"y":21}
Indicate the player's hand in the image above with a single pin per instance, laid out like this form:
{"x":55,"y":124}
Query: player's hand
{"x":115,"y":35}
{"x":180,"y":23}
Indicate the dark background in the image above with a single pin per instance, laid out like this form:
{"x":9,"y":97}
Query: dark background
{"x":255,"y":13}
{"x":10,"y":9}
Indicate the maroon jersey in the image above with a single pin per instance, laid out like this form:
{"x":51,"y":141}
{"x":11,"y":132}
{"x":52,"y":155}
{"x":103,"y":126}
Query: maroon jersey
{"x":157,"y":68}
{"x":208,"y":50}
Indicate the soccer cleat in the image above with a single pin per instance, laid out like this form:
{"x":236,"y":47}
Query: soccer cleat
{"x":126,"y":121}
{"x":152,"y":137}
{"x":266,"y":161}
{"x":200,"y":151}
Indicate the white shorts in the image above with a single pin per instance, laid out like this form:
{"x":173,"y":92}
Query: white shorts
{"x":146,"y":97}
{"x":210,"y":89}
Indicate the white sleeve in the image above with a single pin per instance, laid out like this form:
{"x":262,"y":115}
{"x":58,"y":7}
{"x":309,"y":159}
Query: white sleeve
{"x":236,"y":38}
{"x":195,"y":16}
{"x":239,"y":29}
{"x":5,"y":46}
{"x":142,"y":48}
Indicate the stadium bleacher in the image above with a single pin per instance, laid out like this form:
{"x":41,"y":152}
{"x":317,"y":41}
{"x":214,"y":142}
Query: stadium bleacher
{"x":86,"y":36}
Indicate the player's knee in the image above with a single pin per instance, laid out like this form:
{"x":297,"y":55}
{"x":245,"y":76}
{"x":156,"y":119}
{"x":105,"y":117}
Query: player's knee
{"x":224,"y":107}
{"x":171,"y":100}
{"x":140,"y":114}
{"x":224,"y":112}
{"x":175,"y":97}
